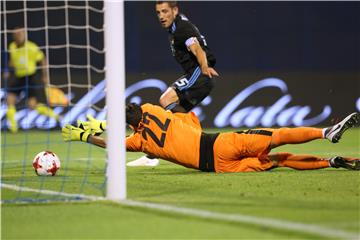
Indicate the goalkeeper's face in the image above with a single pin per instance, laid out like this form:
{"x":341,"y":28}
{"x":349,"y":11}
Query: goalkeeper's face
{"x":19,"y":36}
{"x":133,"y":114}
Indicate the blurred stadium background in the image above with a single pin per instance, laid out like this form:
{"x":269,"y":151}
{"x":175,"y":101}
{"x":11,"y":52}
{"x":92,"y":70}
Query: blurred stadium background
{"x":312,"y":48}
{"x":281,"y":64}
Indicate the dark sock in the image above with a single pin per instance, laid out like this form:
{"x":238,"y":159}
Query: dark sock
{"x":175,"y":107}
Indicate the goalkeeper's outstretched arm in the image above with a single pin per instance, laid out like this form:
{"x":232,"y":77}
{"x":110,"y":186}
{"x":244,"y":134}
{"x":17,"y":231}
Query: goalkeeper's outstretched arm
{"x":98,"y":141}
{"x":95,"y":126}
{"x":72,"y":133}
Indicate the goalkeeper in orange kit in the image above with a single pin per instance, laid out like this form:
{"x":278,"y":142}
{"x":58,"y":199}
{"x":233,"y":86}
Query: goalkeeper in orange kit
{"x":178,"y":138}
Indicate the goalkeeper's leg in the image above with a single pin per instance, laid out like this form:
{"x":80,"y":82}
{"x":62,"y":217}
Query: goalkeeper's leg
{"x":308,"y":162}
{"x":11,"y":112}
{"x":10,"y":115}
{"x":297,"y":135}
{"x":42,"y":108}
{"x":305,"y":134}
{"x":47,"y":111}
{"x":299,"y":162}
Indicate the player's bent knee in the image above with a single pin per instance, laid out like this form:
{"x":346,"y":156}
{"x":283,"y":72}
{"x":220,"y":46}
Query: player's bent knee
{"x":276,"y":139}
{"x":168,"y":97}
{"x":163,"y":101}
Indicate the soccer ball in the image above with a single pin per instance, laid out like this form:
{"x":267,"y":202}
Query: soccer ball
{"x":46,"y":163}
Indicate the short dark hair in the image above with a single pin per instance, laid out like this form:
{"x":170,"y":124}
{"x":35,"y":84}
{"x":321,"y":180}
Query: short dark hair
{"x":20,"y":26}
{"x":172,"y":4}
{"x":133,"y":114}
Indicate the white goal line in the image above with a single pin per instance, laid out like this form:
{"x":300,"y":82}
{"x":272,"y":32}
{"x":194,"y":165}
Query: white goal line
{"x":50,"y":192}
{"x":259,"y":221}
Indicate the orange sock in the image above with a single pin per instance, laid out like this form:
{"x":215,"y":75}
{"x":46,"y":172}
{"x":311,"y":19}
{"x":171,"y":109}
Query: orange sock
{"x":283,"y":136}
{"x":300,"y":162}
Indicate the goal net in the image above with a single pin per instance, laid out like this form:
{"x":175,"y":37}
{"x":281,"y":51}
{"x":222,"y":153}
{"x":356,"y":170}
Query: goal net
{"x":71,"y":36}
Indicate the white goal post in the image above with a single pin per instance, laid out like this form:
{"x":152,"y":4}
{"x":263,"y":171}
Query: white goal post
{"x":115,"y":99}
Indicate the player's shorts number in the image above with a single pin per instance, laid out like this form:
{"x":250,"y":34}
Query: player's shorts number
{"x":182,"y":82}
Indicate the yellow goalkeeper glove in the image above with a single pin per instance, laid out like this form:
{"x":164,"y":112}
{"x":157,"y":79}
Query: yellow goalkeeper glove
{"x":95,"y":126}
{"x":71,"y":133}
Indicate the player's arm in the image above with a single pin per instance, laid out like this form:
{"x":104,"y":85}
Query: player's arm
{"x":72,"y":133}
{"x":40,"y":58}
{"x":98,"y":141}
{"x":194,"y":46}
{"x":6,"y":73}
{"x":44,"y":68}
{"x":132,"y":142}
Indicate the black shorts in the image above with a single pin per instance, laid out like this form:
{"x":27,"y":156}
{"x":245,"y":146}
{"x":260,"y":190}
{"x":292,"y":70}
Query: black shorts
{"x":193,"y":88}
{"x":29,"y":85}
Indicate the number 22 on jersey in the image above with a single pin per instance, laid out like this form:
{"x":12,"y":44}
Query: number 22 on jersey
{"x":148,"y":118}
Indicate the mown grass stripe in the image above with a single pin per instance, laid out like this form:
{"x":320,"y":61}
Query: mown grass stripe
{"x":263,"y":222}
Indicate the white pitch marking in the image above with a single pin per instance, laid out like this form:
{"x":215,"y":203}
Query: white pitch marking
{"x":50,"y":192}
{"x":263,"y":222}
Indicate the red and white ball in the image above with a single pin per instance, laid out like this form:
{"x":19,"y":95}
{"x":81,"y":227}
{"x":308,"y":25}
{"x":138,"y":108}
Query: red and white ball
{"x":46,"y":163}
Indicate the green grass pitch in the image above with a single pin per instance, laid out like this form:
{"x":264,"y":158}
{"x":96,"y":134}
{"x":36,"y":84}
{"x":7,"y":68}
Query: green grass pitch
{"x":327,"y":198}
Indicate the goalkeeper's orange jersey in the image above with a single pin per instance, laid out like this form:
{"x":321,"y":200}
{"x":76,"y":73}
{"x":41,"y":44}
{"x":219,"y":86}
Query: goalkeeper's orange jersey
{"x":175,"y":137}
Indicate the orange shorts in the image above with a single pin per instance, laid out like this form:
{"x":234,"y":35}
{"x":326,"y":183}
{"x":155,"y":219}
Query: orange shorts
{"x":243,"y":152}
